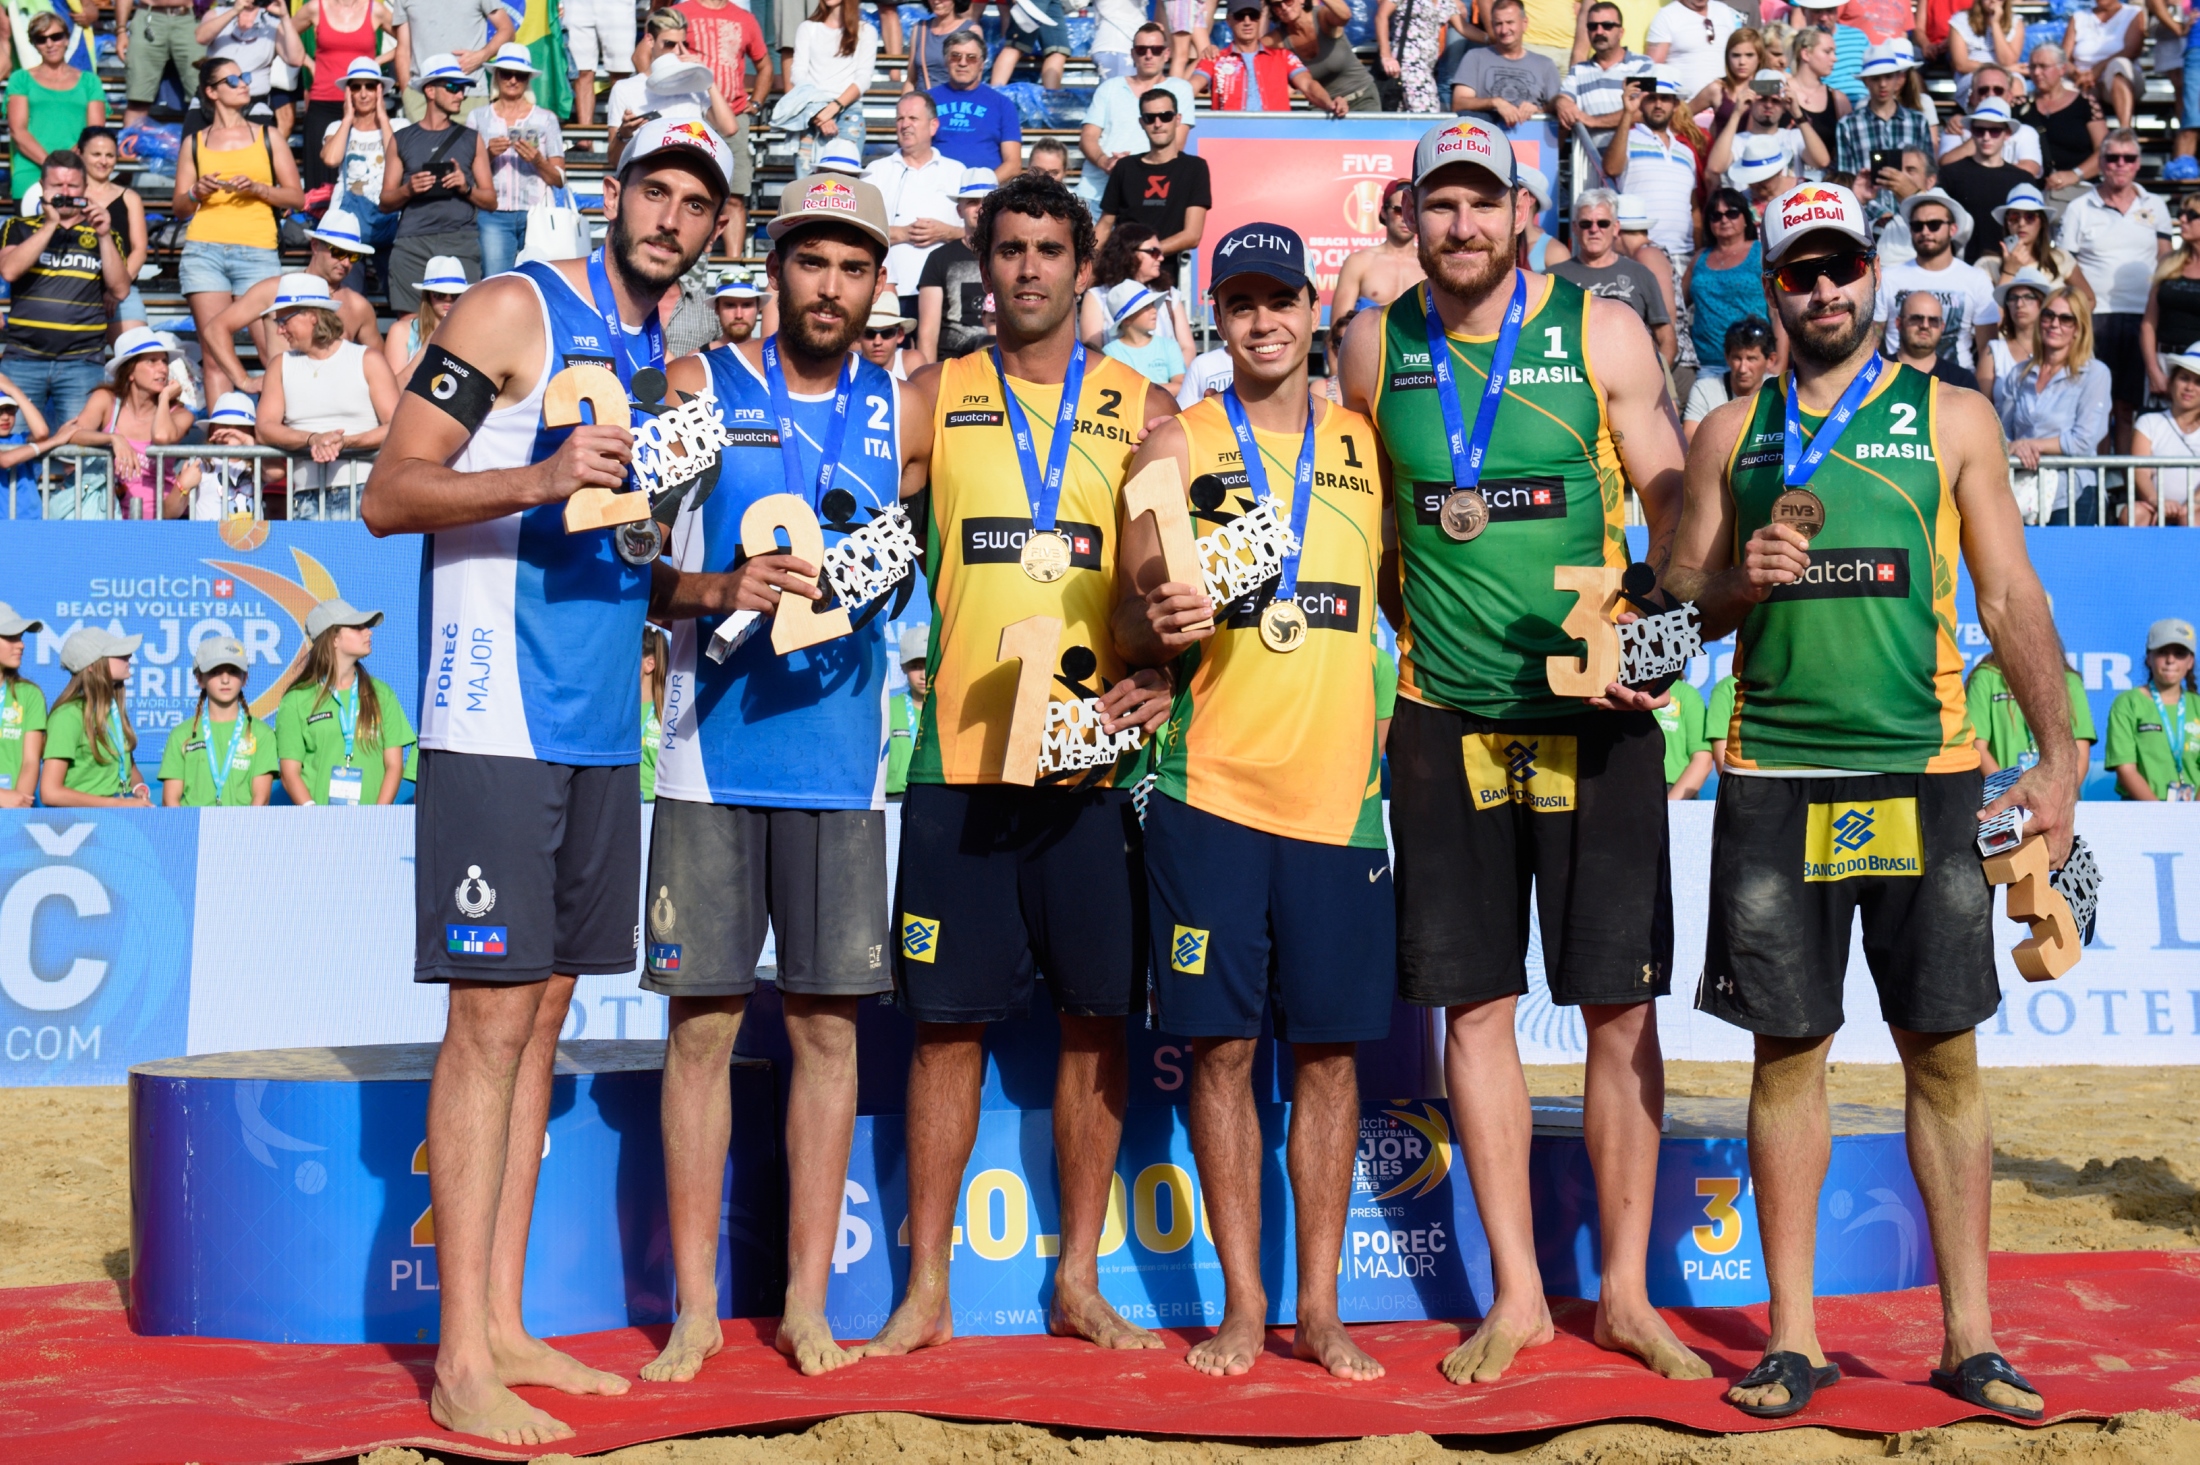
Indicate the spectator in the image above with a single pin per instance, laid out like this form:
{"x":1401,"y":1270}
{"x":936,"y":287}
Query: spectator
{"x":1718,"y":718}
{"x":1032,"y":27}
{"x":2056,"y":403}
{"x":2165,"y":494}
{"x":2026,"y":244}
{"x":727,"y":37}
{"x":2069,"y":124}
{"x":1049,"y":159}
{"x":919,"y":184}
{"x":23,"y":439}
{"x":98,"y":149}
{"x":1688,"y":38}
{"x":1749,"y":357}
{"x":1600,"y":268}
{"x":678,"y":85}
{"x":1832,"y":55}
{"x":1504,"y":77}
{"x":2004,"y":738}
{"x":437,"y":177}
{"x":330,"y":737}
{"x":1132,"y":252}
{"x":1725,"y":284}
{"x":325,"y":396}
{"x":1987,"y":32}
{"x":599,"y":37}
{"x":2184,"y":168}
{"x":90,"y":755}
{"x":1883,"y":22}
{"x":904,"y":711}
{"x":1314,"y":31}
{"x":1591,"y":100}
{"x":1635,"y":244}
{"x":884,"y":340}
{"x":1164,"y":188}
{"x":1658,"y":157}
{"x":2103,"y":43}
{"x":951,"y":292}
{"x":222,"y":756}
{"x":1116,"y":24}
{"x":1539,"y":250}
{"x":2018,"y":336}
{"x":231,"y":177}
{"x":337,"y":249}
{"x":438,"y":288}
{"x":223,"y":488}
{"x":49,"y":104}
{"x":138,"y":397}
{"x":63,"y":269}
{"x":739,"y":302}
{"x":1919,"y":324}
{"x":1409,"y":41}
{"x":22,"y":714}
{"x":928,"y":44}
{"x":149,"y":39}
{"x":1771,"y":121}
{"x":2118,"y":233}
{"x":346,"y":46}
{"x":979,"y":127}
{"x":1865,"y":138}
{"x":255,"y":34}
{"x":656,"y":664}
{"x":2153,"y":737}
{"x":445,"y":35}
{"x":2172,"y":321}
{"x":1381,"y":273}
{"x":526,"y":157}
{"x":1191,"y":27}
{"x":2023,"y":146}
{"x":1982,"y":182}
{"x":1249,"y":76}
{"x":353,"y":150}
{"x":835,"y":53}
{"x":1687,"y":745}
{"x":1731,"y":91}
{"x":1112,"y":131}
{"x":1137,"y":341}
{"x":1939,"y":228}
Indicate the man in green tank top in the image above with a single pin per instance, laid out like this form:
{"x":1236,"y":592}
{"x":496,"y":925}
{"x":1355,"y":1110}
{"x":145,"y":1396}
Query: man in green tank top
{"x":1851,"y":776}
{"x":1496,"y":781}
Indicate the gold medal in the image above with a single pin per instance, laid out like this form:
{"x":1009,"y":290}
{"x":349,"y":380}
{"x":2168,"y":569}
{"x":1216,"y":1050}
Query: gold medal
{"x":1465,"y":514}
{"x":1045,"y":556}
{"x":1283,"y":626}
{"x":1801,"y":510}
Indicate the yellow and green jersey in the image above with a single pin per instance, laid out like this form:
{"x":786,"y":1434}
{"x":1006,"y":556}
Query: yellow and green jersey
{"x":1856,"y":665}
{"x":974,"y":537}
{"x":22,"y":711}
{"x":1481,"y":617}
{"x":1284,"y":742}
{"x":243,"y":748}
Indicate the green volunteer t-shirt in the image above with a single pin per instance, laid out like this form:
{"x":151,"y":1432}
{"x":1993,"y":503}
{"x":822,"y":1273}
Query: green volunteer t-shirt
{"x":653,"y":735}
{"x":22,"y":711}
{"x":1682,"y":721}
{"x":244,"y":747}
{"x":1996,"y":717}
{"x":89,"y":773}
{"x":1718,"y":713}
{"x":1386,"y":684}
{"x":901,"y":740}
{"x":2145,"y":729}
{"x":313,"y":737}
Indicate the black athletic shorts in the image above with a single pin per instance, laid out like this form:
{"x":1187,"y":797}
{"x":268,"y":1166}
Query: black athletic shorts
{"x":1793,"y":858}
{"x":523,"y":868}
{"x":1479,"y":809}
{"x":720,"y":873}
{"x":1000,"y":885}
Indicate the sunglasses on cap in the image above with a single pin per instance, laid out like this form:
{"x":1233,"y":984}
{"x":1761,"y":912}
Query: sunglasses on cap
{"x":1843,"y":268}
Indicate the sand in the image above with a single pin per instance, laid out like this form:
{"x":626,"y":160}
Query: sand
{"x":2086,"y":1159}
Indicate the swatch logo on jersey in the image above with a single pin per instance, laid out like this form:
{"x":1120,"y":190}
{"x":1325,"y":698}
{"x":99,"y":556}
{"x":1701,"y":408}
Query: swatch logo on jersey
{"x":1837,"y":574}
{"x":1843,"y":840}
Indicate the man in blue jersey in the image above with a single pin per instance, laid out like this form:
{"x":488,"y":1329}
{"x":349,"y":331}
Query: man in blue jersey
{"x":527,"y":860}
{"x":771,"y":783}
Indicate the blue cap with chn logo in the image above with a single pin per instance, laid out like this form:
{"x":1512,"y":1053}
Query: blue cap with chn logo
{"x":1259,"y":249}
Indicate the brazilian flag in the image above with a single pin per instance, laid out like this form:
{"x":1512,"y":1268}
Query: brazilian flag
{"x":544,"y":38}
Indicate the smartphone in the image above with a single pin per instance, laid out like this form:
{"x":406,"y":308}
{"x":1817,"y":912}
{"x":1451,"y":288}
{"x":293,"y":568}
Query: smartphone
{"x":1886,"y":160}
{"x":1768,"y":83}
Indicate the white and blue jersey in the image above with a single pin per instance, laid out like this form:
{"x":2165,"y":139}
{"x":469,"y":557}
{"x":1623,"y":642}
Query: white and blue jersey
{"x":531,"y":638}
{"x":806,"y":730}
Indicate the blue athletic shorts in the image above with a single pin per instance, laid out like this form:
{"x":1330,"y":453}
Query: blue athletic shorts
{"x":1245,"y":921}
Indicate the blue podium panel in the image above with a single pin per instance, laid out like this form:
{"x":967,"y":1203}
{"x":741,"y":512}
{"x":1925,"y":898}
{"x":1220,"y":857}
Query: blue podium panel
{"x":284,"y":1196}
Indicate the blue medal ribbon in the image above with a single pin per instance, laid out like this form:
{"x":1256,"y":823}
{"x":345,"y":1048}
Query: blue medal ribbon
{"x":1256,"y":479}
{"x":1796,"y":463}
{"x":607,"y":306}
{"x":1044,"y":493}
{"x":830,"y":451}
{"x":1467,"y":453}
{"x":218,"y":765}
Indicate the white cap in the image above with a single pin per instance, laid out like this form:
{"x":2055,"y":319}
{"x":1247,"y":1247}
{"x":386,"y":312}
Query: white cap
{"x":676,"y":76}
{"x":444,"y":275}
{"x":840,"y":156}
{"x":1464,"y":141}
{"x":1126,"y":298}
{"x":2169,"y":631}
{"x":144,"y":341}
{"x":301,"y":291}
{"x":1889,"y":58}
{"x":443,"y":66}
{"x":682,"y":135}
{"x":1756,"y":158}
{"x":235,"y":409}
{"x":976,"y":183}
{"x":1808,"y":208}
{"x":339,"y":230}
{"x":88,"y":644}
{"x":337,"y":613}
{"x":1957,"y":213}
{"x":1633,"y":214}
{"x":512,"y":56}
{"x":216,"y":652}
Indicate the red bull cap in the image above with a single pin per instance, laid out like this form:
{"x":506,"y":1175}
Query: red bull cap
{"x":682,"y":135}
{"x":1808,"y":208}
{"x":1464,"y":141}
{"x":831,"y":198}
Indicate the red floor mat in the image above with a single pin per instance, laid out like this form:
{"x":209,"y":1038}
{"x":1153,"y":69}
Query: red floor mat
{"x":2099,"y":1333}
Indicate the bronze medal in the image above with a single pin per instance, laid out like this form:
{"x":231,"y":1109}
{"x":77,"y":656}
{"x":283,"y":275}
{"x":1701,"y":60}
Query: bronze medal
{"x":1283,"y":626}
{"x":1465,"y":514}
{"x":1801,"y":510}
{"x":1045,"y":556}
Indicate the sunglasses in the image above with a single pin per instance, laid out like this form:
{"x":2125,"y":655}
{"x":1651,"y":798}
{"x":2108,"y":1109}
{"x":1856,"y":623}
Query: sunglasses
{"x":1988,"y":129}
{"x":2024,"y":297}
{"x":2122,"y":160}
{"x":1604,"y":25}
{"x":887,"y":334}
{"x":1149,"y":50}
{"x":1150,"y":118}
{"x":1922,"y":320}
{"x":2057,"y":318}
{"x":1728,"y":213}
{"x":1989,"y":91}
{"x":2188,"y":215}
{"x":232,"y":80}
{"x":1927,"y":226}
{"x":1588,"y":224}
{"x":1844,"y":268}
{"x":51,"y":38}
{"x":362,"y":86}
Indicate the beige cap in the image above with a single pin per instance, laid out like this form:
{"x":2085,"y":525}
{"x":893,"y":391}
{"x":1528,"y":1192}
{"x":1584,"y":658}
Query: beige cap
{"x":88,"y":644}
{"x":826,"y":198}
{"x":12,"y":624}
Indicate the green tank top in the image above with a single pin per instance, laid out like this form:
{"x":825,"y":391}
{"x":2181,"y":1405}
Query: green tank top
{"x":1481,"y":616}
{"x":1857,"y":666}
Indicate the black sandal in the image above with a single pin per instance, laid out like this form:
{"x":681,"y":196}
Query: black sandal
{"x":1968,"y":1380}
{"x":1793,"y":1372}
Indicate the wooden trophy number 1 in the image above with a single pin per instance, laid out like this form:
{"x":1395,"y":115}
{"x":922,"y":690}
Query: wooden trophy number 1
{"x":593,"y":508}
{"x":1034,"y":641}
{"x":1596,"y":593}
{"x":1159,"y":490}
{"x":2054,"y":945}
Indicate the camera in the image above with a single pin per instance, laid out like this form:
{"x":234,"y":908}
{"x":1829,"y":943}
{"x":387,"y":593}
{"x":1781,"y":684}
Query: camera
{"x":68,"y":201}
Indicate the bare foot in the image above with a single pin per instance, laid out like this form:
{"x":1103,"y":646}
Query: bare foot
{"x":925,"y":1319}
{"x":1084,"y":1313}
{"x":1327,"y":1344}
{"x":694,"y":1338}
{"x":805,"y":1338}
{"x":529,"y":1360}
{"x":2010,"y":1398}
{"x":1233,"y":1350}
{"x":494,"y":1412}
{"x":1483,"y":1358}
{"x":1640,"y":1330}
{"x":1771,"y":1396}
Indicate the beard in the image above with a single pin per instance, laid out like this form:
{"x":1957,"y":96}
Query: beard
{"x":821,"y":330}
{"x":1468,"y":273}
{"x":1019,"y":322}
{"x":1832,"y":342}
{"x":626,"y":248}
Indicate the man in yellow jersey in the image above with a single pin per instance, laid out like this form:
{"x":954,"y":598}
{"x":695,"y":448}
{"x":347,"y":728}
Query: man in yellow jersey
{"x":1266,"y":864}
{"x":1851,"y":776}
{"x":1000,"y":879}
{"x":1497,"y":781}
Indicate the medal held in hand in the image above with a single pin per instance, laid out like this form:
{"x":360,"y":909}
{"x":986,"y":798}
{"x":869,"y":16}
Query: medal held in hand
{"x":1046,"y":553}
{"x":1282,"y":621}
{"x":1799,"y":508}
{"x":1465,"y":513}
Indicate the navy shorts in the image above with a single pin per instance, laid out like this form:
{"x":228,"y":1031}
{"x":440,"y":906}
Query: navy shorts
{"x":1000,"y":885}
{"x":1245,"y":921}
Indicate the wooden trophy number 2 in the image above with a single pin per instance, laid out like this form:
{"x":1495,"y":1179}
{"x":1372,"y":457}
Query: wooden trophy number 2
{"x":1596,"y":595}
{"x":593,"y":508}
{"x":798,"y":622}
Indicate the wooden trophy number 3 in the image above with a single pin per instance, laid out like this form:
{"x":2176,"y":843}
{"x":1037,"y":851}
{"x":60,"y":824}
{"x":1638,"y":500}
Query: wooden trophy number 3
{"x":593,"y":508}
{"x":1596,"y":595}
{"x":2055,"y":943}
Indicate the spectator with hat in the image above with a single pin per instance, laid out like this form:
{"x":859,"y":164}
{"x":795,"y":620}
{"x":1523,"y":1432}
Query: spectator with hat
{"x":2165,"y":494}
{"x":1132,"y":252}
{"x":23,"y":713}
{"x":1760,"y":169}
{"x":324,"y":397}
{"x":23,"y":438}
{"x":1591,"y":99}
{"x":1112,"y":131}
{"x":1939,"y":229}
{"x":347,"y":43}
{"x":1771,"y":125}
{"x":1539,"y":249}
{"x":951,"y":292}
{"x":64,"y":269}
{"x":840,"y":156}
{"x":1865,"y":139}
{"x":341,"y":734}
{"x":1982,"y":182}
{"x":436,"y":176}
{"x":337,"y":248}
{"x":1165,"y":188}
{"x":2018,"y":335}
{"x":882,"y":342}
{"x":222,"y":488}
{"x":2118,"y":233}
{"x":906,"y":709}
{"x":679,"y":86}
{"x":2171,"y":324}
{"x":1657,"y":156}
{"x":1635,"y":243}
{"x":1688,"y":39}
{"x":979,"y":127}
{"x":221,"y":756}
{"x":1251,"y":76}
{"x":2026,"y":242}
{"x":135,"y":408}
{"x":1135,"y":312}
{"x":739,"y":302}
{"x":439,"y":287}
{"x":2153,"y":743}
{"x":89,"y":761}
{"x":919,"y":184}
{"x":526,"y":152}
{"x":453,"y":35}
{"x":353,"y":150}
{"x":2023,"y":147}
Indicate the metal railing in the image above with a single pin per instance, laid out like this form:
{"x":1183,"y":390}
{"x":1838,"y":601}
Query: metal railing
{"x":2057,"y":477}
{"x":79,"y":483}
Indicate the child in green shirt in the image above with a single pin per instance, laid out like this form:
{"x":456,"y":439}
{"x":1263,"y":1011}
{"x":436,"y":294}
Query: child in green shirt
{"x":90,"y":745}
{"x":341,"y":735}
{"x":22,"y":714}
{"x":2004,"y":738}
{"x":223,"y":756}
{"x":656,"y":663}
{"x":2154,"y":731}
{"x":1687,"y":745}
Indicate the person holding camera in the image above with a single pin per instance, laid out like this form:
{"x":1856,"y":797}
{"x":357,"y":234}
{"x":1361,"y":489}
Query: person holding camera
{"x":437,"y":175}
{"x":526,"y":157}
{"x":255,"y":34}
